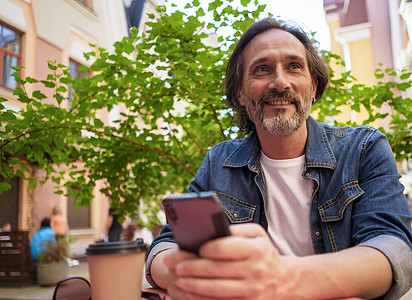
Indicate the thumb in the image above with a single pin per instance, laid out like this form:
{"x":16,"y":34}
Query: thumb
{"x":249,"y":230}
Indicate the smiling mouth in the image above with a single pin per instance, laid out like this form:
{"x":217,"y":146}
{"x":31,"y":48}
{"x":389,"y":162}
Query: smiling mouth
{"x":279,"y":102}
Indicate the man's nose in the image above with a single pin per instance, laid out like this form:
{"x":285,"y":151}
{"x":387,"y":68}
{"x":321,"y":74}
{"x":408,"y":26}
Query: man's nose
{"x":279,"y":81}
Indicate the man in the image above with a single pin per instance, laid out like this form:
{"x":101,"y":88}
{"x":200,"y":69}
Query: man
{"x":323,"y":210}
{"x":41,"y":237}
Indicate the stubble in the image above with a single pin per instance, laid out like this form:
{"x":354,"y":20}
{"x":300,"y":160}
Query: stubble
{"x":278,"y":123}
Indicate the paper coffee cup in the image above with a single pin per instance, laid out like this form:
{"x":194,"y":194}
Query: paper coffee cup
{"x":116,"y":269}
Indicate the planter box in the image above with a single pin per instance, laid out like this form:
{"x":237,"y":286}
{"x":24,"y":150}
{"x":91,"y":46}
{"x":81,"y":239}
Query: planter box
{"x":51,"y":273}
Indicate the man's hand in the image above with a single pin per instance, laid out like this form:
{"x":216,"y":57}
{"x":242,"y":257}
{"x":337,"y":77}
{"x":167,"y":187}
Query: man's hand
{"x":242,"y":266}
{"x":246,"y":265}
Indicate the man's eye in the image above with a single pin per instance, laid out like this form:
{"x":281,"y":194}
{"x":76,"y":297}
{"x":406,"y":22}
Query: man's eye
{"x":261,"y":69}
{"x":295,"y":66}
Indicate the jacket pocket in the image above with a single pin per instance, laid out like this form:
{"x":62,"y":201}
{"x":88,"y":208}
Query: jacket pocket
{"x":236,"y":210}
{"x":334,"y":208}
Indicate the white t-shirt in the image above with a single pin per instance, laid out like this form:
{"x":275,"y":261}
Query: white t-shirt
{"x":287,"y":205}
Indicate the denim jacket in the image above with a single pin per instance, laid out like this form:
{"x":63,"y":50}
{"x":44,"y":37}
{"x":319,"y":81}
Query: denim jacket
{"x":357,"y":198}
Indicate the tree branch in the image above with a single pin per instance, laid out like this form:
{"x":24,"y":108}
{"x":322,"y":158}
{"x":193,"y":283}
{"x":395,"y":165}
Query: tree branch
{"x":189,"y":169}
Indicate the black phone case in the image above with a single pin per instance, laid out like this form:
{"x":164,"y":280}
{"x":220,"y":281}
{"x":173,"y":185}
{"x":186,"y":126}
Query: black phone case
{"x":195,"y":218}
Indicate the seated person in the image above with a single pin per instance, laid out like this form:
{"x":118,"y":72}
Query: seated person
{"x":323,"y":211}
{"x":41,"y":237}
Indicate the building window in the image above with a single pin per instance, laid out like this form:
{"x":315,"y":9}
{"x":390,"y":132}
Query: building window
{"x":134,"y":12}
{"x":87,"y":3}
{"x":77,"y":218}
{"x":10,"y":55}
{"x":10,"y":204}
{"x":74,"y":72}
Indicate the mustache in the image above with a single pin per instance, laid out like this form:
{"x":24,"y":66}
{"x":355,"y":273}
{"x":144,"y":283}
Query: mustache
{"x":275,"y":94}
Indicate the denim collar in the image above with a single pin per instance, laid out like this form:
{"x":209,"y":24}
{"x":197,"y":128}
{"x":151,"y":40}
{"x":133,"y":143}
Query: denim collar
{"x":318,"y":150}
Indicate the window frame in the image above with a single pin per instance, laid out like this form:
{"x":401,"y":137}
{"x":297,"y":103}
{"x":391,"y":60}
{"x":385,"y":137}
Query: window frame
{"x":6,"y":51}
{"x":76,"y":75}
{"x":88,"y":4}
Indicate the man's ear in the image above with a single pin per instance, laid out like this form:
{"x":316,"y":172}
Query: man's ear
{"x":240,"y":98}
{"x":314,"y":86}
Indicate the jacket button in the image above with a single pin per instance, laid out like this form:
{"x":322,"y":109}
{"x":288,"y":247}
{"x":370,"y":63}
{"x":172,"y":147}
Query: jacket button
{"x":307,"y":174}
{"x":235,"y":215}
{"x":317,"y":233}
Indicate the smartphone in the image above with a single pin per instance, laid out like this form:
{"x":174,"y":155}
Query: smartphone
{"x":195,"y":218}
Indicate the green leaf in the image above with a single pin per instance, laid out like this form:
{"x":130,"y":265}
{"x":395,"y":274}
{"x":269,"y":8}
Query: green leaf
{"x":32,"y":185}
{"x":65,"y":80}
{"x":200,"y":12}
{"x":51,"y":66}
{"x":20,"y":174}
{"x":83,"y":69}
{"x":405,"y":76}
{"x":39,"y":95}
{"x":31,"y":80}
{"x":59,"y":98}
{"x":48,"y":84}
{"x":214,"y":5}
{"x":25,"y":168}
{"x":38,"y":153}
{"x":4,"y":187}
{"x":22,"y":96}
{"x":403,"y":86}
{"x":98,"y":123}
{"x":61,"y":89}
{"x":13,"y":160}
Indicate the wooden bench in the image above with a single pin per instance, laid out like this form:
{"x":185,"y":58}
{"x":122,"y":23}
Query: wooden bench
{"x":16,"y":264}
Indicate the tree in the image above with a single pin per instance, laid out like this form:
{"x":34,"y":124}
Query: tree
{"x":390,"y":92}
{"x":169,"y":84}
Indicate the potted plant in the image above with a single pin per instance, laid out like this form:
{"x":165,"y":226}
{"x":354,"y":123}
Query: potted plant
{"x":52,"y":262}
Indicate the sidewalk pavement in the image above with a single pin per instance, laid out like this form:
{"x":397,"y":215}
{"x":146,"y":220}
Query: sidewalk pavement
{"x":37,"y":292}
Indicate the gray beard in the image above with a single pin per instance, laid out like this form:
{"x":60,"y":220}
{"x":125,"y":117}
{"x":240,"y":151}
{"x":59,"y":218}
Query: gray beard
{"x":278,"y":124}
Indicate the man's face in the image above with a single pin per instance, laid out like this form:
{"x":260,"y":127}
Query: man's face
{"x":277,"y":87}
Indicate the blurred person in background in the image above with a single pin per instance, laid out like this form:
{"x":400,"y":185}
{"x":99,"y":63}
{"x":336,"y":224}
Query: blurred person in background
{"x":114,"y":227}
{"x":41,"y":237}
{"x":59,"y":223}
{"x":6,"y":228}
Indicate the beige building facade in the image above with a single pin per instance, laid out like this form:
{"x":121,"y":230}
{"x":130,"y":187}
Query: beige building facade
{"x":33,"y":32}
{"x":368,"y":32}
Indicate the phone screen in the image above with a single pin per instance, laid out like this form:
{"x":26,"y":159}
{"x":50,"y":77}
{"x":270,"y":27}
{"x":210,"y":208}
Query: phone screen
{"x":195,"y":218}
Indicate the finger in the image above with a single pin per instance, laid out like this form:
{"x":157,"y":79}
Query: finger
{"x":205,"y":268}
{"x":246,"y":241}
{"x":174,"y":292}
{"x":227,"y":248}
{"x":250,"y":230}
{"x":222,"y":289}
{"x":255,"y":268}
